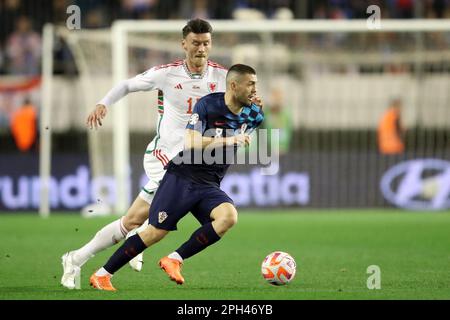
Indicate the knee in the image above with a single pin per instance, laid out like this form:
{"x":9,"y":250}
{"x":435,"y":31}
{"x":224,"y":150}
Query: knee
{"x":228,"y":219}
{"x":231,"y":219}
{"x":224,"y":217}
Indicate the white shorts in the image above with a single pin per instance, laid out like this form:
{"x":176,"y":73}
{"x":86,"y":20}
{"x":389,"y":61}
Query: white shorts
{"x":154,"y":163}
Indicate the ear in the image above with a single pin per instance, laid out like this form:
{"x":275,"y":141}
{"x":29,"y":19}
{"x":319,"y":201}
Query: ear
{"x":183,"y":44}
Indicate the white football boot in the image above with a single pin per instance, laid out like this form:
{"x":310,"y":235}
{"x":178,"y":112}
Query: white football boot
{"x":72,"y":272}
{"x":137,"y":262}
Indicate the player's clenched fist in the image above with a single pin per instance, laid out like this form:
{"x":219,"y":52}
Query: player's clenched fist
{"x":258,"y":101}
{"x":95,"y":117}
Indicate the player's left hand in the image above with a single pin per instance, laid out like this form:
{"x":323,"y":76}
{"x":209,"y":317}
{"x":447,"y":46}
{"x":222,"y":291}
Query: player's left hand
{"x":248,"y":140}
{"x":242,"y":140}
{"x":258,"y":101}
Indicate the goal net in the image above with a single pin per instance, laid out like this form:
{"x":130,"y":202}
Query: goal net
{"x":325,"y":84}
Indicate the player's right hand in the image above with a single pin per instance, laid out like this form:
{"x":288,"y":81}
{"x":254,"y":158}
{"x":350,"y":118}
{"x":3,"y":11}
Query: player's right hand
{"x":258,"y":101}
{"x":94,"y":120}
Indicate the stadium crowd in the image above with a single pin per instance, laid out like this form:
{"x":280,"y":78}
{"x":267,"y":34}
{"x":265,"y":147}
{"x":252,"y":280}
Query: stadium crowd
{"x":22,"y":20}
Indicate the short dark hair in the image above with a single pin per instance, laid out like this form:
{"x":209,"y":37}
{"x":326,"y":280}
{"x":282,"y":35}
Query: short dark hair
{"x":196,"y":26}
{"x":239,"y":70}
{"x":242,"y":69}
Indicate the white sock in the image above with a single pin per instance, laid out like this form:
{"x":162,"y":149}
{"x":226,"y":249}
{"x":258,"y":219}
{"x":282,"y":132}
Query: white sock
{"x":142,"y":227}
{"x":176,"y":256}
{"x":106,"y":237}
{"x":102,"y":272}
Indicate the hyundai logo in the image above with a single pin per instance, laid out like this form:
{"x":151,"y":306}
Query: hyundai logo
{"x":421,"y":184}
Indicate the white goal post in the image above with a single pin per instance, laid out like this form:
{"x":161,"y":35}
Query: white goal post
{"x":119,"y":34}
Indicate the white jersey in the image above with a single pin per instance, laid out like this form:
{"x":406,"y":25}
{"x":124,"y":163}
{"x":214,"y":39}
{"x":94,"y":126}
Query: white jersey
{"x":179,"y":90}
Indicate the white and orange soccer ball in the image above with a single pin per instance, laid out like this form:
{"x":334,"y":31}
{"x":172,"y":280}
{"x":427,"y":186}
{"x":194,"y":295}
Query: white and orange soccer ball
{"x":278,"y":268}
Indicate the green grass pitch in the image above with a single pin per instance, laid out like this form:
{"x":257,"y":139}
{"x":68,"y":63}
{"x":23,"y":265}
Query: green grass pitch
{"x":332,"y":249}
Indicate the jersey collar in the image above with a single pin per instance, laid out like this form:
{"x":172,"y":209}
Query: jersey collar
{"x":195,"y":75}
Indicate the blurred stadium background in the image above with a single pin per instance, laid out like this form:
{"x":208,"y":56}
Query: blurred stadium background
{"x":365,"y":139}
{"x":364,"y":115}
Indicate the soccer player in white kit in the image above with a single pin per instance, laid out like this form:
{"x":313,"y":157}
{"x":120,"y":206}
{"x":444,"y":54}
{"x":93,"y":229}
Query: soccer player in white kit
{"x":180,"y":84}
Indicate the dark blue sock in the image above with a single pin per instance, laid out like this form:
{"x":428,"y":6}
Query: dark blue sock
{"x":200,"y":239}
{"x":130,"y":249}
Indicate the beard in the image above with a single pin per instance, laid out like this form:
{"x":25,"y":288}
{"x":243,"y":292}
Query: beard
{"x":199,"y":61}
{"x":245,"y":102}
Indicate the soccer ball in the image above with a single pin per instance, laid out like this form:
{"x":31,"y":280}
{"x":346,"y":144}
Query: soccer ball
{"x":278,"y":268}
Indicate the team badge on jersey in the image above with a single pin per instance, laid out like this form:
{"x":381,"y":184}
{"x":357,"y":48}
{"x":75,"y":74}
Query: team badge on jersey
{"x":212,"y":86}
{"x":194,"y":119}
{"x":162,"y":216}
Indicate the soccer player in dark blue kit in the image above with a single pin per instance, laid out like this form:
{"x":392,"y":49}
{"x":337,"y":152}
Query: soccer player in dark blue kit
{"x":220,"y":123}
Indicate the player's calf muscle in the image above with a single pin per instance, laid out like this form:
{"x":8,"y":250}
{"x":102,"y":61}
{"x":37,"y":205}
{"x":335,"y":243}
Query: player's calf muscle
{"x":135,"y":220}
{"x":151,"y":235}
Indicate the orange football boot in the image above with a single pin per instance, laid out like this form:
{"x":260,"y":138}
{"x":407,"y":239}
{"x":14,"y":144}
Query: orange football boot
{"x":101,"y":282}
{"x":173,"y":268}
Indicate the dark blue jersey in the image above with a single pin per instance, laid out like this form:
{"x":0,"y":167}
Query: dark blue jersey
{"x":212,"y":118}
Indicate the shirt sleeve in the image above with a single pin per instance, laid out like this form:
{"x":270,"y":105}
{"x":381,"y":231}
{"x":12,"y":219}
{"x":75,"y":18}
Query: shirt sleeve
{"x":198,"y":118}
{"x":149,"y":80}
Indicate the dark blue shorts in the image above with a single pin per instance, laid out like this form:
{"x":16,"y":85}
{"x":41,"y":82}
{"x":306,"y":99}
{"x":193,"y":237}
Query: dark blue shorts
{"x":177,"y":196}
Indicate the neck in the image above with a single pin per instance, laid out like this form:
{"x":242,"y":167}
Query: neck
{"x":194,"y":68}
{"x":234,"y":106}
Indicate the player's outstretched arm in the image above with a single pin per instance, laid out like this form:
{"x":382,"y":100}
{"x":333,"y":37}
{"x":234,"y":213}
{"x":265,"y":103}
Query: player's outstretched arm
{"x":94,"y":119}
{"x":138,"y":83}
